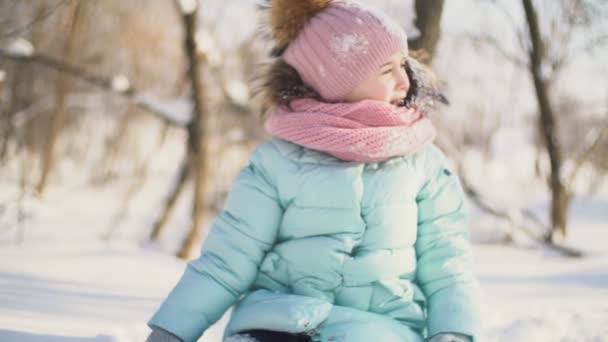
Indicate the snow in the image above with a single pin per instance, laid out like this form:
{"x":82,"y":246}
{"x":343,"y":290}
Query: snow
{"x":388,"y":22}
{"x":322,"y":70}
{"x":205,"y":42}
{"x":215,"y":58}
{"x":537,"y":296}
{"x":120,"y":83}
{"x":21,"y":47}
{"x":178,"y":110}
{"x":238,"y":92}
{"x":188,"y":6}
{"x":348,"y":44}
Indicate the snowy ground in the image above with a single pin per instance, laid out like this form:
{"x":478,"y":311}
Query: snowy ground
{"x":64,"y":283}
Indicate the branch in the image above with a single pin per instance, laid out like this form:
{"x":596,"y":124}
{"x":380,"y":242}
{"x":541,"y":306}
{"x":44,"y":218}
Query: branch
{"x":481,"y":204}
{"x":517,"y":221}
{"x":38,"y":18}
{"x":592,"y":44}
{"x":515,"y":218}
{"x":586,"y":152}
{"x":92,"y":79}
{"x":570,"y":53}
{"x":505,"y":12}
{"x":493,"y":43}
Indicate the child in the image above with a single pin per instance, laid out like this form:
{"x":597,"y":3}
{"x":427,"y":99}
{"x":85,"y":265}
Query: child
{"x":346,"y":225}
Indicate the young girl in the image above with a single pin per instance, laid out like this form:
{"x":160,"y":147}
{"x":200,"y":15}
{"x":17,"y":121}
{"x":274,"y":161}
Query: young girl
{"x":346,"y":225}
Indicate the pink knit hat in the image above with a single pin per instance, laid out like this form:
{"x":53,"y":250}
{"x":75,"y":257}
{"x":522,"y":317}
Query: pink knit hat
{"x":342,"y":45}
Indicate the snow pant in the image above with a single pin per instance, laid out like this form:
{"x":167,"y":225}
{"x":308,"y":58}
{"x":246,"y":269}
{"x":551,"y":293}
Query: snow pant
{"x":267,"y":336}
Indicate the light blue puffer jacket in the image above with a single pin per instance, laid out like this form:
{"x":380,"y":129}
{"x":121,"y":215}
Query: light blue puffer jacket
{"x":344,"y":251}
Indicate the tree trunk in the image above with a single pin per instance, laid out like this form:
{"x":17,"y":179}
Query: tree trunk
{"x":560,"y":198}
{"x":161,"y":222}
{"x":6,"y":122}
{"x":197,"y":133}
{"x":69,"y":24}
{"x":6,"y":118}
{"x":428,"y":22}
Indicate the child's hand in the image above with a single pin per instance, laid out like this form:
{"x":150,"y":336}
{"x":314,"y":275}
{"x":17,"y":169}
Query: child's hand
{"x":160,"y":335}
{"x":449,"y":337}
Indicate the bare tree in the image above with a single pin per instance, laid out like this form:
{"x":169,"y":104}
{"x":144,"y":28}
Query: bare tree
{"x":575,"y":12}
{"x":69,"y":23}
{"x":197,"y":133}
{"x":101,"y":82}
{"x":428,"y":22}
{"x":559,"y":203}
{"x":550,"y":39}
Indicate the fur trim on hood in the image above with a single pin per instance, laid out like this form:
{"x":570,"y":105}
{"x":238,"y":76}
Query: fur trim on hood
{"x":281,"y":84}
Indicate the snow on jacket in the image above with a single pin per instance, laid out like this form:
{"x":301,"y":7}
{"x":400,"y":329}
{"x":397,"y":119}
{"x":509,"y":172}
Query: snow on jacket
{"x":344,"y":251}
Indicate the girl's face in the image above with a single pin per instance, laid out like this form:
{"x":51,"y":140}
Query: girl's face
{"x":389,"y":83}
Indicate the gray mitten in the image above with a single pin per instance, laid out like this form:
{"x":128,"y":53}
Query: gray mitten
{"x":161,"y":335}
{"x":450,"y":337}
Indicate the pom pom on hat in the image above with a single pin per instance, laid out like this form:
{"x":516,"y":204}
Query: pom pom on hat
{"x":288,"y":17}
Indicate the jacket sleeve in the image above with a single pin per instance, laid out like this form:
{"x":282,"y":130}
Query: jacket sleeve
{"x":445,"y":269}
{"x":239,"y":238}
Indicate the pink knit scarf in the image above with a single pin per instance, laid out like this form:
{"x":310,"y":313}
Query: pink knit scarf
{"x":364,"y":131}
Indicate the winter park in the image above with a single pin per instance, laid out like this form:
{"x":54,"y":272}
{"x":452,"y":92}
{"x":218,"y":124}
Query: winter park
{"x":311,"y":170}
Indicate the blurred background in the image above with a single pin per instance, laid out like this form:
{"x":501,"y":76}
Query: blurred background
{"x":124,"y":123}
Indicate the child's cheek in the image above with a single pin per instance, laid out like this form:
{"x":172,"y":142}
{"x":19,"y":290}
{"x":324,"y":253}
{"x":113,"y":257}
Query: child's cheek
{"x":376,"y":91}
{"x":384,"y":92}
